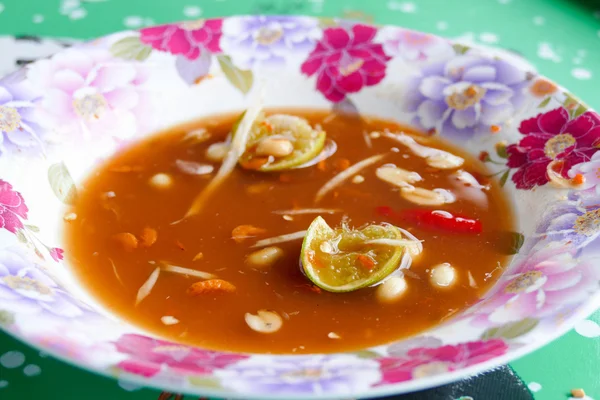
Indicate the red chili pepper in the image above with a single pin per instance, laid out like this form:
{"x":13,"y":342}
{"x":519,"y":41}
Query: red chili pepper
{"x":442,"y":220}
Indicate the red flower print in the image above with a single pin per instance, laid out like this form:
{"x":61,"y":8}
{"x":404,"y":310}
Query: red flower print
{"x":12,"y":208}
{"x":56,"y":254}
{"x":552,"y":136}
{"x":189,"y":39}
{"x":345,"y":61}
{"x":427,"y":361}
{"x":149,"y":355}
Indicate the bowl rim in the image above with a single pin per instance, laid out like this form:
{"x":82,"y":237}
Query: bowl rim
{"x":392,"y":389}
{"x":389,"y":389}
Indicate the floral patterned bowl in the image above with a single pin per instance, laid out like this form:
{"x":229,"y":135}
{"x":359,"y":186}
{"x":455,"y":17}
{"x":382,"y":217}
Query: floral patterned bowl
{"x":61,"y":116}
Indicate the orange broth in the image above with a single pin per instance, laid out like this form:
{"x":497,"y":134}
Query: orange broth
{"x":117,"y":198}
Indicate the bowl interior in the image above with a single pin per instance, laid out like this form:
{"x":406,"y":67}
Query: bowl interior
{"x":62,"y":116}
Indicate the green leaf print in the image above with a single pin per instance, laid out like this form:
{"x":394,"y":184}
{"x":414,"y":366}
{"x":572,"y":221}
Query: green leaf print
{"x":21,"y":236}
{"x":517,"y":240}
{"x":504,"y":178}
{"x":501,"y":150}
{"x":365,"y":354}
{"x":239,"y":78}
{"x":62,"y":184}
{"x":205,"y":382}
{"x":574,"y":106}
{"x":32,"y":228}
{"x":6,"y":318}
{"x":131,"y":48}
{"x":511,"y":330}
{"x":460,"y":48}
{"x":545,"y":102}
{"x":327,"y":22}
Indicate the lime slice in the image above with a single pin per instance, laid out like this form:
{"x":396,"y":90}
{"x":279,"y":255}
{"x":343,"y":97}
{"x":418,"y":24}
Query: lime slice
{"x":304,"y":143}
{"x":343,"y":260}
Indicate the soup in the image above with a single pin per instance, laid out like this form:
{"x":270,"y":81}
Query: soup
{"x":401,"y":231}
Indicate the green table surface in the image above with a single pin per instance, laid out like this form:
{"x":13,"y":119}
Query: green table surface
{"x":560,"y":37}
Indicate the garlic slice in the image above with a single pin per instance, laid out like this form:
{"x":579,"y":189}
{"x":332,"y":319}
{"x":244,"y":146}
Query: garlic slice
{"x":397,"y":176}
{"x":264,"y":322}
{"x":426,"y":197}
{"x":435,"y":158}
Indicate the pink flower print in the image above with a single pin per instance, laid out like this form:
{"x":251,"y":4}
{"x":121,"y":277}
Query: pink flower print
{"x":188,"y":39}
{"x":12,"y":208}
{"x":427,"y":361}
{"x":345,"y":61}
{"x":544,"y":283}
{"x":56,"y":254}
{"x":149,"y":355}
{"x":551,"y":137}
{"x":411,"y":45}
{"x":89,"y":93}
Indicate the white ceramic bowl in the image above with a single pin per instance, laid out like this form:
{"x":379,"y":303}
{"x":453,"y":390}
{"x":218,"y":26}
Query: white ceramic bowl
{"x":61,"y":116}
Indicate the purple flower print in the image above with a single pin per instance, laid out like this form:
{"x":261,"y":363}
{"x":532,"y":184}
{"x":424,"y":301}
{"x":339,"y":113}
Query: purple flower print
{"x":414,"y":46}
{"x":305,"y":375}
{"x":89,"y":93}
{"x":545,"y":282}
{"x":465,"y":95}
{"x":18,"y":130}
{"x":590,"y":171}
{"x":267,"y":40}
{"x":575,"y":221}
{"x":25,"y":289}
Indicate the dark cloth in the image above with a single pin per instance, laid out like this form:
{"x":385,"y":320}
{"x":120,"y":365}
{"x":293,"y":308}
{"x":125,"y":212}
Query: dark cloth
{"x":499,"y":384}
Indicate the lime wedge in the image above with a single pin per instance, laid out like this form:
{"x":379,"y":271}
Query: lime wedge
{"x":342,"y":259}
{"x":303,"y":143}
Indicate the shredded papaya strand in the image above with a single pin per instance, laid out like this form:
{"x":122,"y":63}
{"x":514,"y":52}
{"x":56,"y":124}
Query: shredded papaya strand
{"x":344,"y":175}
{"x":299,"y":211}
{"x":238,"y":146}
{"x":147,"y":286}
{"x":186,"y":271}
{"x":115,"y":272}
{"x":279,"y":239}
